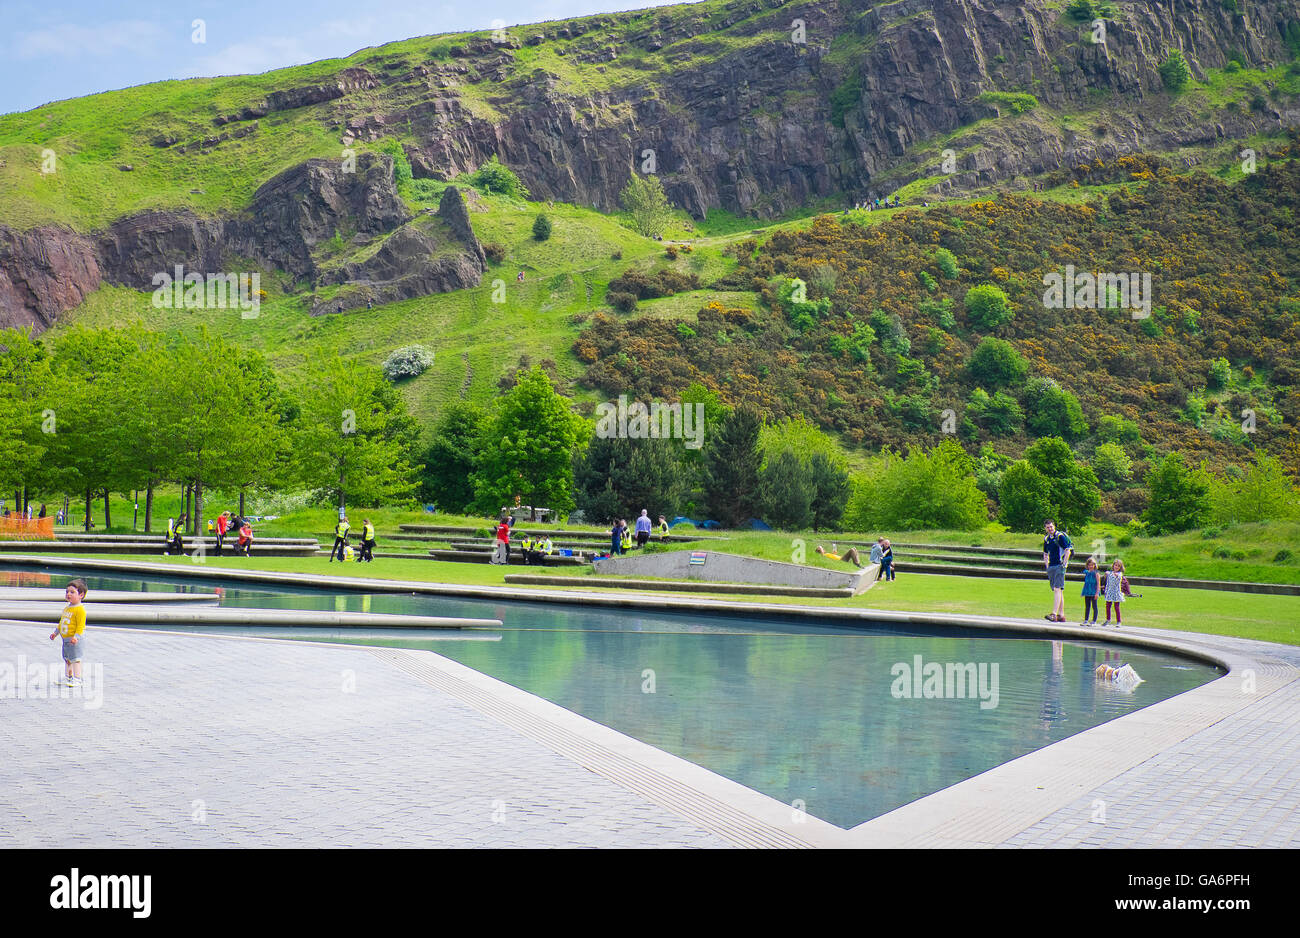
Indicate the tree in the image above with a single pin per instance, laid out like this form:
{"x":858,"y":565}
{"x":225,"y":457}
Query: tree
{"x":1024,"y":498}
{"x":1000,"y":415}
{"x":783,"y":492}
{"x":1075,"y":493}
{"x":1174,"y":71}
{"x":526,"y":448}
{"x":644,"y":199}
{"x":1112,"y":465}
{"x":541,"y":227}
{"x":449,"y":460}
{"x":934,"y":489}
{"x":354,"y":436}
{"x":26,"y":417}
{"x":1263,"y":493}
{"x":987,"y":307}
{"x":1180,"y":497}
{"x":996,"y":363}
{"x":492,"y":176}
{"x":731,"y":462}
{"x":1048,"y":483}
{"x":1050,"y":410}
{"x":617,"y":477}
{"x":829,"y":482}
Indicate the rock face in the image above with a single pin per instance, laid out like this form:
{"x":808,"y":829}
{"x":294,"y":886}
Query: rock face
{"x":48,"y":270}
{"x":43,"y":272}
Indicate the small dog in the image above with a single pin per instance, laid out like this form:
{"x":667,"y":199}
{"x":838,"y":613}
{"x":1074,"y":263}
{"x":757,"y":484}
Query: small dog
{"x":1124,"y":675}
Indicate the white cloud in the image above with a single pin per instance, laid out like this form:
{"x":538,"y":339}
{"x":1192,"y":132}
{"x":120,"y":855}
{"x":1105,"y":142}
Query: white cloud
{"x":72,"y":41}
{"x":251,"y":56}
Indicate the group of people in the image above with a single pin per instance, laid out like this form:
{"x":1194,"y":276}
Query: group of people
{"x":620,"y":535}
{"x":1112,"y":583}
{"x":226,"y":523}
{"x":875,"y":205}
{"x":343,"y":551}
{"x":27,"y":513}
{"x":881,"y":553}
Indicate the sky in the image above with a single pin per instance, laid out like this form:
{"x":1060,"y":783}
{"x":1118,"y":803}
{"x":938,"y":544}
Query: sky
{"x":67,"y":48}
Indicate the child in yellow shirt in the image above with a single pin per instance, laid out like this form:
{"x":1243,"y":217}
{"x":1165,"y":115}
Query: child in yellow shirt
{"x":72,"y":626}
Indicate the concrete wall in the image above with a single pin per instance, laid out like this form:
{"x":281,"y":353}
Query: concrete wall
{"x":729,"y":568}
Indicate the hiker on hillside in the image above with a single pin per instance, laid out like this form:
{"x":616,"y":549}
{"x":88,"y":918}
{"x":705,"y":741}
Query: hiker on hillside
{"x":340,"y":538}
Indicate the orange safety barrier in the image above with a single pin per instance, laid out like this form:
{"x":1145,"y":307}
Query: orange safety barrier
{"x":21,"y":528}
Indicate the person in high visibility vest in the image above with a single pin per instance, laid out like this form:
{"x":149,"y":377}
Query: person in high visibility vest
{"x":526,"y":545}
{"x":174,"y":543}
{"x":367,"y":541}
{"x":340,"y":538}
{"x":663,"y":528}
{"x":626,"y":542}
{"x":547,"y":547}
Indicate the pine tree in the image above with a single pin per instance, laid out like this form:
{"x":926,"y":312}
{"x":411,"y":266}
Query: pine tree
{"x":731,"y":468}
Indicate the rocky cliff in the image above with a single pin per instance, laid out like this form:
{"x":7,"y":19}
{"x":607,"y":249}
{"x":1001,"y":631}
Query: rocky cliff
{"x":51,"y":269}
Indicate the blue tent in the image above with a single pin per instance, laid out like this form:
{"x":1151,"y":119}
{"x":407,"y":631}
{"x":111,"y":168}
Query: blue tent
{"x":758,"y":525}
{"x":682,"y":519}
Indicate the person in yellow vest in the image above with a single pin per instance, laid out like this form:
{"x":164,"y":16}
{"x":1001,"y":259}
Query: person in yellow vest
{"x":175,"y":545}
{"x":367,"y":541}
{"x":340,"y":538}
{"x":547,"y":547}
{"x":663,"y":528}
{"x":529,"y":546}
{"x":627,"y":538}
{"x":72,"y":626}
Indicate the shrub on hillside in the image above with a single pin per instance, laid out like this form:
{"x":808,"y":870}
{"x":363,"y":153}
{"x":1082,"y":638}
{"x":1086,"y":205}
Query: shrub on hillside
{"x":492,"y":176}
{"x":623,"y":302}
{"x":947,"y":262}
{"x":995,"y":363}
{"x":495,"y":252}
{"x":1050,"y":410}
{"x":987,"y":307}
{"x":934,"y":489}
{"x":408,"y":362}
{"x":541,"y":227}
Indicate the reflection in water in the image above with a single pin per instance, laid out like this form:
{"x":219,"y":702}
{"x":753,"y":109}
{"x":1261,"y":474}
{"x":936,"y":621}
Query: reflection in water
{"x":794,"y":711}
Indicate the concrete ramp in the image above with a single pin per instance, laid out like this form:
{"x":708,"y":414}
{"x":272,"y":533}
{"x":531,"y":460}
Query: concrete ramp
{"x":714,"y":567}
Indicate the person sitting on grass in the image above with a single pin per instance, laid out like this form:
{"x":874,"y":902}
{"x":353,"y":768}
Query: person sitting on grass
{"x":850,"y":555}
{"x":245,"y":543}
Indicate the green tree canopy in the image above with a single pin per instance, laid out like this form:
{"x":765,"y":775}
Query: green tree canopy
{"x":731,"y":465}
{"x":996,"y":363}
{"x":934,"y":489}
{"x":618,"y":477}
{"x":354,"y":437}
{"x":784,"y":492}
{"x":1180,"y":497}
{"x":449,"y":460}
{"x":526,"y":448}
{"x":1263,"y":493}
{"x":644,"y":199}
{"x":987,"y":307}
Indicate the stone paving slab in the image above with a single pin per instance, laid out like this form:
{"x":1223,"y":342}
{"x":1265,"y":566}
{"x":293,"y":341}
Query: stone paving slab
{"x":202,"y":741}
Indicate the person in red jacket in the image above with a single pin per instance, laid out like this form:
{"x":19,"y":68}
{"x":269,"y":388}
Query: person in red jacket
{"x":501,"y":554}
{"x":223,"y":525}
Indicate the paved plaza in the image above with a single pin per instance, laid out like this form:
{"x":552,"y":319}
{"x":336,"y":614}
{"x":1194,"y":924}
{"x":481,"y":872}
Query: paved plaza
{"x":206,"y":741}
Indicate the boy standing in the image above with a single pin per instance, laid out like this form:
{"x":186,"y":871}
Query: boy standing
{"x":72,"y":626}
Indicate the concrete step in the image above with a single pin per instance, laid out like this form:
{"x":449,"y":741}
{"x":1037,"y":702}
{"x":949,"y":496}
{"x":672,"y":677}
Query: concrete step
{"x":516,"y":558}
{"x":679,"y":586}
{"x":154,"y":546}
